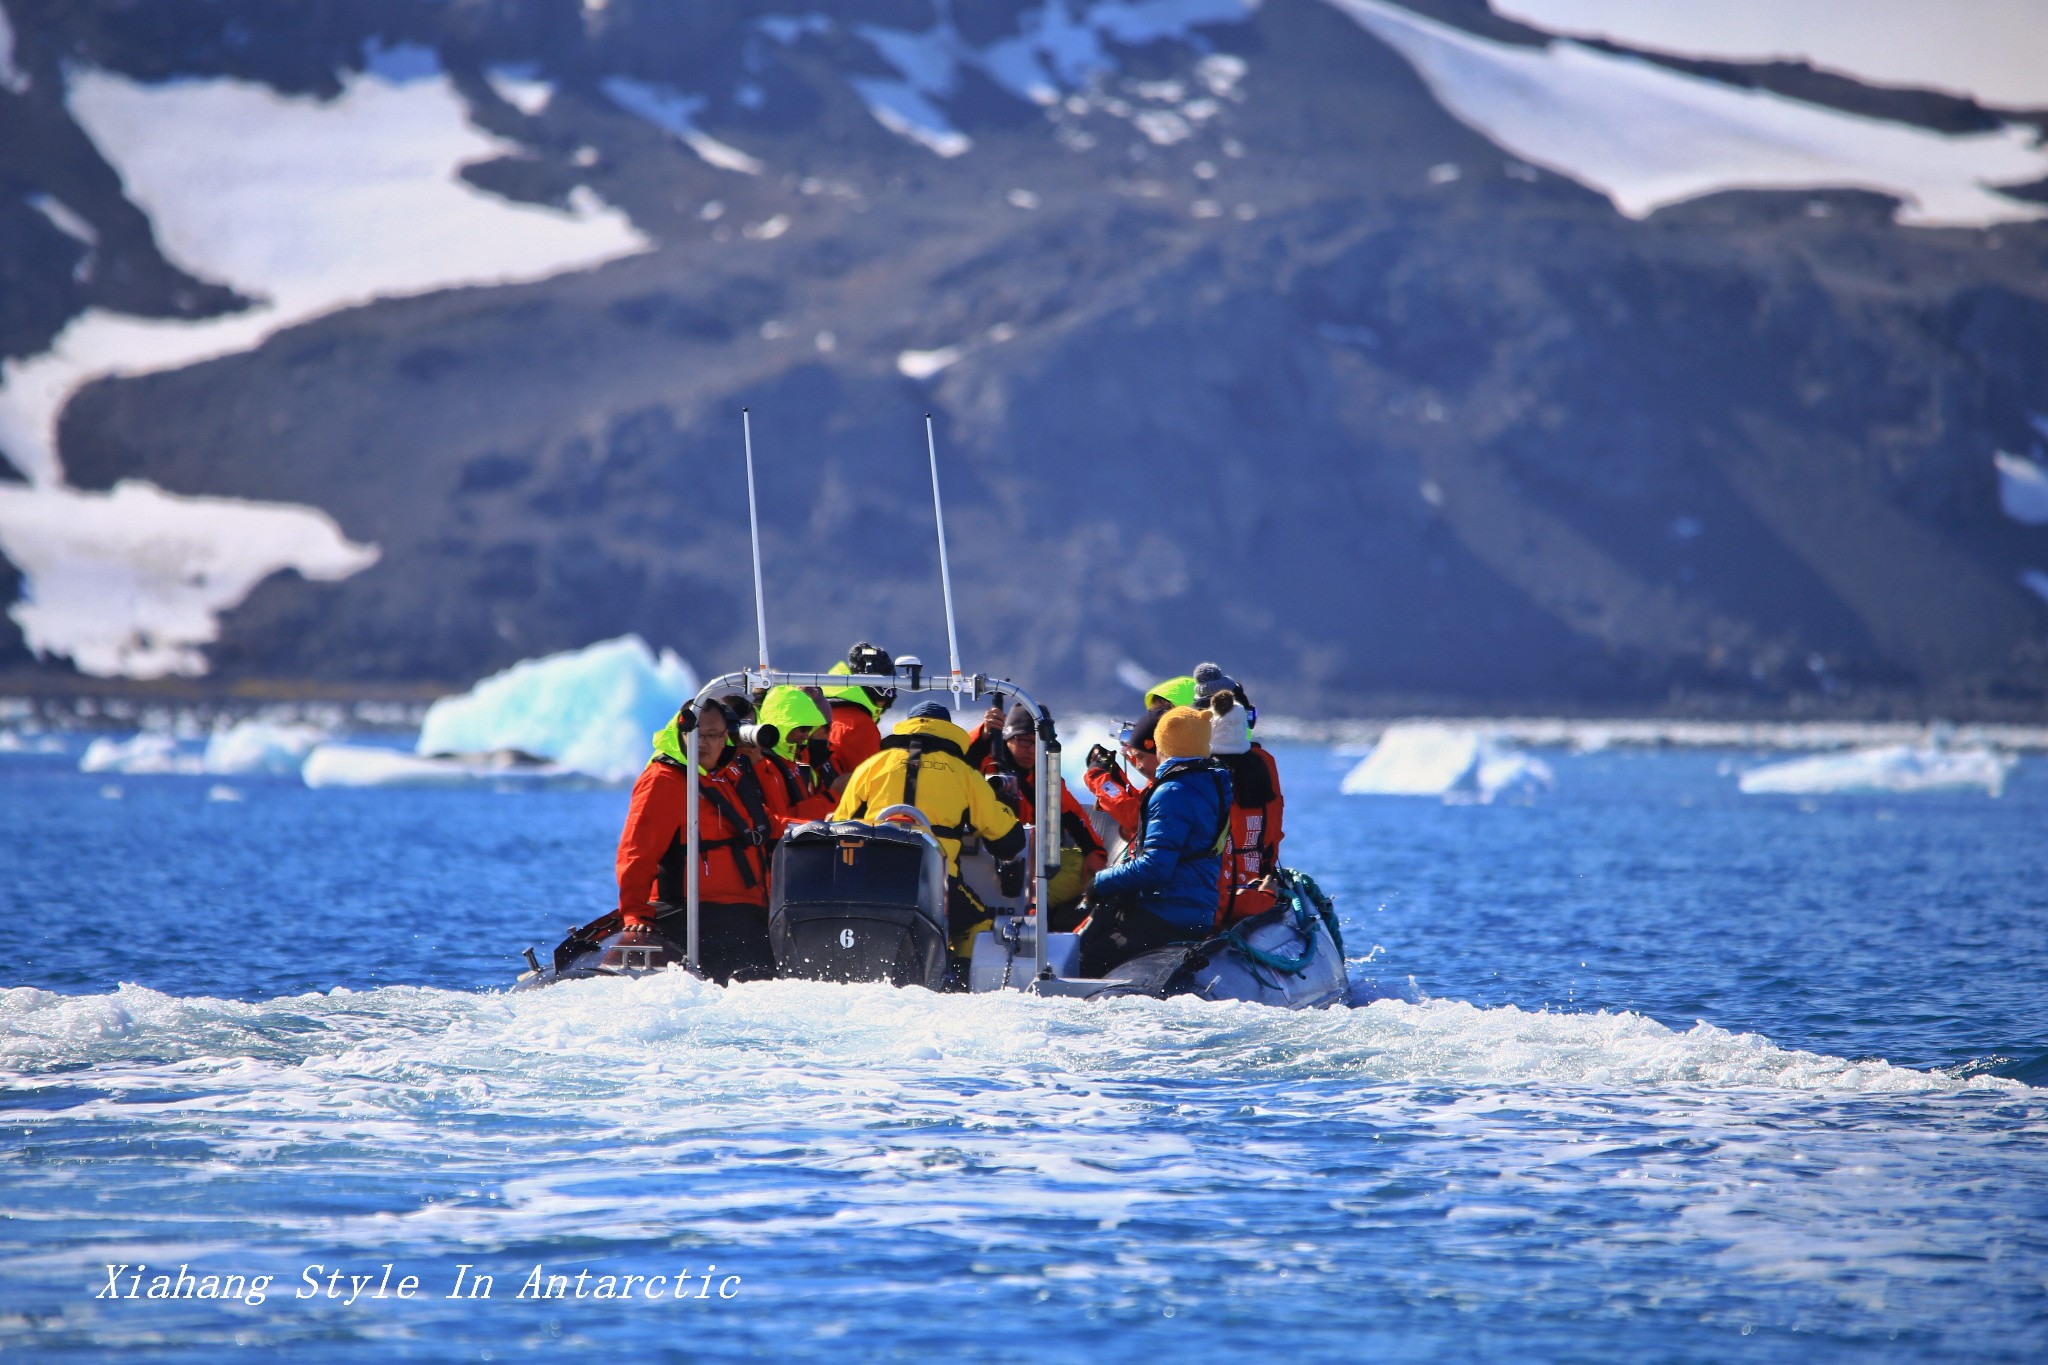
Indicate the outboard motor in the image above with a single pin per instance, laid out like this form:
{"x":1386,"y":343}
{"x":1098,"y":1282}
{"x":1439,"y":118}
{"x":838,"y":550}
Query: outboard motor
{"x":860,"y":902}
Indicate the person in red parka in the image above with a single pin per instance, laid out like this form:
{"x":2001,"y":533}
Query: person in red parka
{"x":739,"y":819}
{"x":855,"y":734}
{"x":1116,"y":794}
{"x":1006,"y":748}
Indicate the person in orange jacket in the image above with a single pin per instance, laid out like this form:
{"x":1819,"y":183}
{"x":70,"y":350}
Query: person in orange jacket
{"x":799,"y":762}
{"x":1006,"y":748}
{"x":1257,"y":805}
{"x":1116,"y":794}
{"x":739,"y":819}
{"x":855,"y":735}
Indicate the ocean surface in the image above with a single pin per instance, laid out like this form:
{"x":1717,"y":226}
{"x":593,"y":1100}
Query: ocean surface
{"x":1645,"y":1070}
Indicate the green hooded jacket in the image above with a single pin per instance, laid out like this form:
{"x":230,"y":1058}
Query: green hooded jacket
{"x":790,"y":709}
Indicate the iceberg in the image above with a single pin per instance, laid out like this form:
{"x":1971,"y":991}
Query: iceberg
{"x":590,"y":711}
{"x":363,"y":765}
{"x":1463,"y":766}
{"x":254,"y":747}
{"x":1892,"y":768}
{"x":152,"y":751}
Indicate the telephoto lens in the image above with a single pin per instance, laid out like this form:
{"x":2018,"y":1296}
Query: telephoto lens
{"x":762,"y":736}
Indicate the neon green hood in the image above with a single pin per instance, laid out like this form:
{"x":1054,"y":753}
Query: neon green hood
{"x":852,"y":694}
{"x":1173,"y":692}
{"x":789,"y":709}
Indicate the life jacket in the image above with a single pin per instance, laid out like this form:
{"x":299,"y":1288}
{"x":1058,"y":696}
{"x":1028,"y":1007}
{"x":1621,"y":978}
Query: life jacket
{"x":755,"y":830}
{"x":804,"y":795}
{"x":1255,"y":833}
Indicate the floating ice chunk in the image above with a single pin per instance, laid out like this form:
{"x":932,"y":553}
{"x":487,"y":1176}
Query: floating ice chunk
{"x":1414,"y":760}
{"x":362,"y":765}
{"x":1989,"y":51}
{"x":1647,"y":136}
{"x":2022,"y":488}
{"x":675,"y":113}
{"x":131,"y":582}
{"x":221,"y":792}
{"x":593,"y":710}
{"x":1893,"y":768}
{"x":260,"y":746}
{"x":1460,"y":765}
{"x":15,"y":742}
{"x":151,"y":752}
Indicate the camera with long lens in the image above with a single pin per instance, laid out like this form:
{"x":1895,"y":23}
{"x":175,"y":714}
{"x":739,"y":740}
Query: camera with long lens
{"x":761,"y":736}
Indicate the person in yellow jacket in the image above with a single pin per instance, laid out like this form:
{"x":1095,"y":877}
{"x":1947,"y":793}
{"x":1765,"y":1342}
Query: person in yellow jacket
{"x":923,"y":763}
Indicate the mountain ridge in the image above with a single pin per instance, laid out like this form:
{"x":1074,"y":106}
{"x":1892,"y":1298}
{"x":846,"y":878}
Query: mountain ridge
{"x":1468,"y":438}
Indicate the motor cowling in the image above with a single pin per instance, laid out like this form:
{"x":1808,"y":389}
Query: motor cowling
{"x":858,"y":902}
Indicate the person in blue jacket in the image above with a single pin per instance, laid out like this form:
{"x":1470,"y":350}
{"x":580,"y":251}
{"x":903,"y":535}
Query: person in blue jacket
{"x":1165,"y":889}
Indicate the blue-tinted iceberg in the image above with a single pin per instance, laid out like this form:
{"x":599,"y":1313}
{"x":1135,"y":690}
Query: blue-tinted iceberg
{"x":1421,"y":758}
{"x":590,"y":711}
{"x":1893,"y":768}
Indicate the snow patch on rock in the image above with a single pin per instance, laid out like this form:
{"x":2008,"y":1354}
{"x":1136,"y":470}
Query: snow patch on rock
{"x":1989,"y":50}
{"x":12,"y":78}
{"x":519,"y":87}
{"x":2022,"y":488}
{"x":1059,"y":46}
{"x":305,"y":206}
{"x":1647,"y":136}
{"x":675,"y":113}
{"x":131,"y":582}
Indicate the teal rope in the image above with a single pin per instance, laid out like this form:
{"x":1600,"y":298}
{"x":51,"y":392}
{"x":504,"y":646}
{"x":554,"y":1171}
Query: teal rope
{"x":1309,"y":904}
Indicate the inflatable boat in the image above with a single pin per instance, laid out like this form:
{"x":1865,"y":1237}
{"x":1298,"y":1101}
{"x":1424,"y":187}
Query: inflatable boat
{"x":854,"y":901}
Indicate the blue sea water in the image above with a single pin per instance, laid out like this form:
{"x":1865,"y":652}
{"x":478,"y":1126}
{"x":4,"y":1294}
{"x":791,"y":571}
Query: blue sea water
{"x":1645,"y":1070}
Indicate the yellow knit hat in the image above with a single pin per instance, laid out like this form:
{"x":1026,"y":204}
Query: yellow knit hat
{"x":1183,"y":733}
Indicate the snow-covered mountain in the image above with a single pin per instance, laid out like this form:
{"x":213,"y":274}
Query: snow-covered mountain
{"x":1564,"y":350}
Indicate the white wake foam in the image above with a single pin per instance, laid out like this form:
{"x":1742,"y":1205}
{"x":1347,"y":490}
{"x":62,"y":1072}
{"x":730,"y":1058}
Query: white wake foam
{"x":733,"y":1039}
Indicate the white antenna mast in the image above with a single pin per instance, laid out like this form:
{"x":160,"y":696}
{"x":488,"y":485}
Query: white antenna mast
{"x":754,"y":528}
{"x":945,"y":569}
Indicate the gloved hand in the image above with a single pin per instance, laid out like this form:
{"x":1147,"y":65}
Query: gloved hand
{"x":1101,"y":760}
{"x":818,"y":757}
{"x":1010,"y":877}
{"x":642,"y":918}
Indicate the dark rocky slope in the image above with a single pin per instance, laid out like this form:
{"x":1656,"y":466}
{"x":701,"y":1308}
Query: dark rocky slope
{"x":1371,"y":440}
